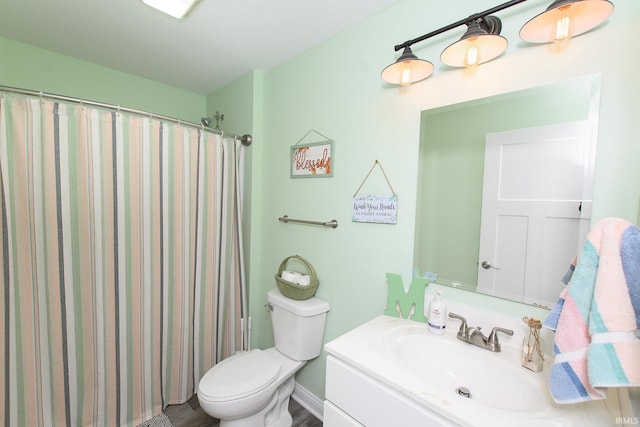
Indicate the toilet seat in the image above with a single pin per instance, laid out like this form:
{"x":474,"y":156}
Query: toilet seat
{"x":239,"y":376}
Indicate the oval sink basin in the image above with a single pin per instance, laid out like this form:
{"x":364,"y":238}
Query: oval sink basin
{"x":446,"y":364}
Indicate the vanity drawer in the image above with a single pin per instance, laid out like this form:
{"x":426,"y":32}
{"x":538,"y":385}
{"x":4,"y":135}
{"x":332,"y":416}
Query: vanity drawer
{"x":335,"y":417}
{"x":372,"y":403}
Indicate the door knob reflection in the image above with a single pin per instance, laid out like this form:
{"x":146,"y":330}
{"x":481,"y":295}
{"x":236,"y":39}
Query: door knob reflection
{"x":486,"y":265}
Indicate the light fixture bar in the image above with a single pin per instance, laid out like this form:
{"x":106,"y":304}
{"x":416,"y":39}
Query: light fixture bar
{"x":464,"y":21}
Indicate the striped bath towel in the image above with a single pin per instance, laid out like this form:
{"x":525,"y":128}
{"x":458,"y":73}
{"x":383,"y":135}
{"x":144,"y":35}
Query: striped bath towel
{"x":551,"y":321}
{"x":597,"y":316}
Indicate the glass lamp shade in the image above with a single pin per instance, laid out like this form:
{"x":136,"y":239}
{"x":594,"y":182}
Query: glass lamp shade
{"x":407,"y":69}
{"x":564,"y":19}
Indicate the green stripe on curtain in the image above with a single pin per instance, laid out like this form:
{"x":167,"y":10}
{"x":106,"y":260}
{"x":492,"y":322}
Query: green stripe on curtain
{"x":122,"y":271}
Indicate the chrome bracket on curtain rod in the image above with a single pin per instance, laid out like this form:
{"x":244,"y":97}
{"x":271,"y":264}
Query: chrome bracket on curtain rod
{"x":246,"y":140}
{"x":218,"y":117}
{"x":333,"y":223}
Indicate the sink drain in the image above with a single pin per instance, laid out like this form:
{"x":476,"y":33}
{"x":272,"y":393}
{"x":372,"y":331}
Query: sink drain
{"x":464,"y":392}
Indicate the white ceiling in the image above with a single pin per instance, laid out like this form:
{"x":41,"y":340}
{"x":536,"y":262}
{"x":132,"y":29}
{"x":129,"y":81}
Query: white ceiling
{"x":218,"y":42}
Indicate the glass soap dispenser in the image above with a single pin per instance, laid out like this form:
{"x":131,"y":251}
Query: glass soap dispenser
{"x":532,"y":357}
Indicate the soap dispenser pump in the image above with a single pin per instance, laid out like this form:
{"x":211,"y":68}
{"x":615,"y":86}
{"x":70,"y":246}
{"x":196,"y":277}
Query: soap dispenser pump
{"x":437,"y":314}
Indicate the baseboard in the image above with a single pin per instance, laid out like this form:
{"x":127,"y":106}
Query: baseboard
{"x":308,"y":400}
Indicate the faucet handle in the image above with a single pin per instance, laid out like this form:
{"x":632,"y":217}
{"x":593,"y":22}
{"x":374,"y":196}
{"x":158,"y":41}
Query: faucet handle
{"x":492,"y":340}
{"x":463,"y":325}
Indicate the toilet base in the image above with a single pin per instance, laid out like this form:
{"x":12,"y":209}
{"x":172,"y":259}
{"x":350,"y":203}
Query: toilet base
{"x":274,"y":414}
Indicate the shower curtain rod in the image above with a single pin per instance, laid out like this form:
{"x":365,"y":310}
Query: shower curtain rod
{"x":245,"y":139}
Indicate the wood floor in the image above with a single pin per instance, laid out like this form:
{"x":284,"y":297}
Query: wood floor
{"x":191,"y":415}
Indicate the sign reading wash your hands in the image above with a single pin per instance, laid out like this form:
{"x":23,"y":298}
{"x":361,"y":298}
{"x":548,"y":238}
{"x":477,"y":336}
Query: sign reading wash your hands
{"x":375,"y":208}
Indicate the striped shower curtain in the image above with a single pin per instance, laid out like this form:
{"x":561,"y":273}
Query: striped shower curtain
{"x":121,"y":262}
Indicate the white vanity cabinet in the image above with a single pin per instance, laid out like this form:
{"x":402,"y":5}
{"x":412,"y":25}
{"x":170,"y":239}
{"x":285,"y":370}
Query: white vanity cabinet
{"x":354,"y":398}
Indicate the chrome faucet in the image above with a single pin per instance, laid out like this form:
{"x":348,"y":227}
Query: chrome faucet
{"x":473,"y":335}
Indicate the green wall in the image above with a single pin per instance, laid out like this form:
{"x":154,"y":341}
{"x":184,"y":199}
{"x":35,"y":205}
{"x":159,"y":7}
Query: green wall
{"x":241,"y":102}
{"x":28,"y":67}
{"x":335,"y":89}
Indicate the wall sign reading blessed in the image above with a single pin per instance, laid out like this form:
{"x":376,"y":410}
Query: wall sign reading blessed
{"x":312,"y":160}
{"x":375,"y":208}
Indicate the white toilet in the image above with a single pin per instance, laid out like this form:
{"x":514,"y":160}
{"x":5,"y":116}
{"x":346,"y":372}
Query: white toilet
{"x":252,"y":388}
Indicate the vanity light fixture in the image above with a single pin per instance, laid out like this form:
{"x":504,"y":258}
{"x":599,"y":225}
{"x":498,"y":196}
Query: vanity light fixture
{"x":482,"y":41}
{"x":176,"y":8}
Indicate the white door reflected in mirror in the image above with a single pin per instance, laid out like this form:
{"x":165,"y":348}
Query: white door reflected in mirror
{"x":536,"y":209}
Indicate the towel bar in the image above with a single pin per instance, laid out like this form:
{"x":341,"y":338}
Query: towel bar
{"x":333,"y":223}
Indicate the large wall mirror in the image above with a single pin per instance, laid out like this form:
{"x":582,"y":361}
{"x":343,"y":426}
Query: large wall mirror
{"x":538,"y":146}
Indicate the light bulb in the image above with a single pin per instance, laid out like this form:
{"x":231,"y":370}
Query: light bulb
{"x":405,"y":79}
{"x":563,"y":28}
{"x":472,"y":55}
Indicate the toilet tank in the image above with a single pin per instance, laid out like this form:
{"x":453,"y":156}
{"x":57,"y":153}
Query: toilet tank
{"x":298,"y":325}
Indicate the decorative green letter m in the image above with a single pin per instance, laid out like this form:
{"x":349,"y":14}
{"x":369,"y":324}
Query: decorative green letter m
{"x":397,"y":297}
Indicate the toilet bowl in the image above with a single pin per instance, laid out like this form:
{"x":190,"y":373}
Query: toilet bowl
{"x":252,"y":388}
{"x":243,"y":389}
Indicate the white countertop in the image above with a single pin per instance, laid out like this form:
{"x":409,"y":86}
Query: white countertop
{"x":367,"y":348}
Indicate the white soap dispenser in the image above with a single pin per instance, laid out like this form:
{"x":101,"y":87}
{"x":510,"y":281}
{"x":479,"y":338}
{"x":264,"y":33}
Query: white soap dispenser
{"x":437,"y":315}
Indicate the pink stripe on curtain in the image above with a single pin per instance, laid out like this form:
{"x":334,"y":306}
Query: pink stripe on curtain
{"x":122,"y":273}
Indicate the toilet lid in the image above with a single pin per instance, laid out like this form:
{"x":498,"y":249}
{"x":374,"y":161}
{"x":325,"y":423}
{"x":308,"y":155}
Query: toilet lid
{"x":240,"y":375}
